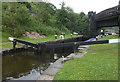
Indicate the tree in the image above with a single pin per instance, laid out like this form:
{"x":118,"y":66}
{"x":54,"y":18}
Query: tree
{"x":61,"y":16}
{"x":44,"y":11}
{"x":71,"y":24}
{"x":82,"y":23}
{"x":15,"y":16}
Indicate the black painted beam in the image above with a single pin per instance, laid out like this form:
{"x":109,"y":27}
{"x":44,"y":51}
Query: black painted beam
{"x":14,"y":40}
{"x":26,"y":42}
{"x":72,"y":44}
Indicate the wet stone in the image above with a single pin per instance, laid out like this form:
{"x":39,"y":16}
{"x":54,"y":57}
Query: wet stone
{"x":57,"y":64}
{"x":83,"y":46}
{"x":51,"y":71}
{"x":32,"y":76}
{"x":80,"y":48}
{"x":71,"y":55}
{"x":79,"y":55}
{"x":45,"y":77}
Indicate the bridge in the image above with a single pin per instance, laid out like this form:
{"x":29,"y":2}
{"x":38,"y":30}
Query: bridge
{"x":106,"y":18}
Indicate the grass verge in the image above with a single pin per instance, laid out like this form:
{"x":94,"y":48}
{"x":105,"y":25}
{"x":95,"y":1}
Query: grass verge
{"x":100,"y":63}
{"x":109,"y":37}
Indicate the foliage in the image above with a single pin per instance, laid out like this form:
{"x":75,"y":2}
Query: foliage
{"x":62,"y":16}
{"x":15,"y":18}
{"x":47,"y":30}
{"x":41,"y":17}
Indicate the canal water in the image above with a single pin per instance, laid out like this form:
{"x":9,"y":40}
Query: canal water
{"x":27,"y":64}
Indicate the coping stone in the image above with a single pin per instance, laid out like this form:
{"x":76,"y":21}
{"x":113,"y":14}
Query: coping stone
{"x":51,"y":71}
{"x":45,"y":77}
{"x":57,"y":64}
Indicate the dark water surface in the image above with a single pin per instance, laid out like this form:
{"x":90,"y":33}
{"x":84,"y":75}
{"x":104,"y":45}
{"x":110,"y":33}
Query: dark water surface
{"x":27,"y":64}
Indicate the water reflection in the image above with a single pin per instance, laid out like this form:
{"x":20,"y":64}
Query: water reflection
{"x":27,"y":65}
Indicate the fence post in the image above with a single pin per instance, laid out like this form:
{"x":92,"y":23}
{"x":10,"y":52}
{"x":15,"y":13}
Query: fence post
{"x":14,"y":44}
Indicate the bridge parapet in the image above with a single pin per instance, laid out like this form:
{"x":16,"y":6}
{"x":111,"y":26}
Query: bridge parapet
{"x":119,"y":13}
{"x":108,"y":13}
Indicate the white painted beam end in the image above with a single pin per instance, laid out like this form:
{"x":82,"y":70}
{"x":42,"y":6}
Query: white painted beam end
{"x":10,"y":38}
{"x":114,"y":40}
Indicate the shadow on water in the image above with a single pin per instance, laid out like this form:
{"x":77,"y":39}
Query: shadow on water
{"x":27,"y":64}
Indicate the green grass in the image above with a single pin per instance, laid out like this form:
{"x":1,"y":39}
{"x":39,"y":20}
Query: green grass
{"x":4,"y":46}
{"x":4,"y":37}
{"x":100,"y":63}
{"x":47,"y":38}
{"x":109,"y":37}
